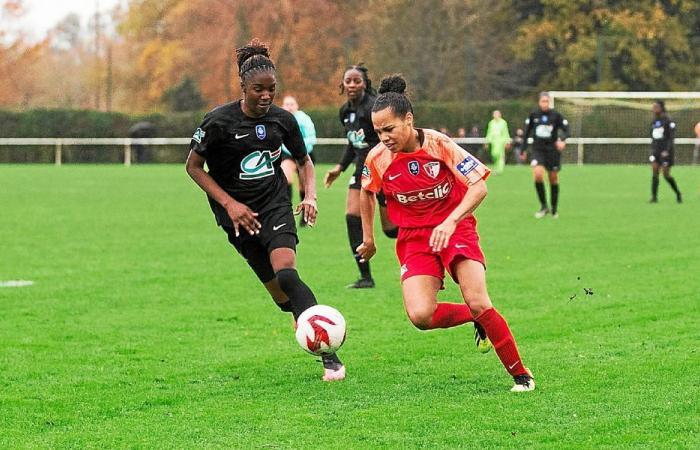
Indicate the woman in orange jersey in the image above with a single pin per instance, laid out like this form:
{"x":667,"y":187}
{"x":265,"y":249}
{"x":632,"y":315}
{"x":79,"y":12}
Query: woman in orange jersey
{"x":432,"y":186}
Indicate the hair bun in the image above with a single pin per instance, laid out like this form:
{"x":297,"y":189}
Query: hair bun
{"x":254,"y":47}
{"x":393,"y":83}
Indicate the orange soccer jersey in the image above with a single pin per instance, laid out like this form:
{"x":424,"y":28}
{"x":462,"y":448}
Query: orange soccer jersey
{"x":423,"y":187}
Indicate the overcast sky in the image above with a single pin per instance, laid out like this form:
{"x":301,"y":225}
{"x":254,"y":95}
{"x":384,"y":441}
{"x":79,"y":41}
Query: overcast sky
{"x":44,"y":14}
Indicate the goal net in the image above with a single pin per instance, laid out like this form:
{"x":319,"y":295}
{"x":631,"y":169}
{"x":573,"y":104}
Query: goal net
{"x":614,"y":127}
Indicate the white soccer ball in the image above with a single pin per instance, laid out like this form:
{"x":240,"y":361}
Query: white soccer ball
{"x":321,"y":330}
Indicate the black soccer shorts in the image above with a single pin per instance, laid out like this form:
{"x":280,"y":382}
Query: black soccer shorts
{"x":549,"y":158}
{"x":664,"y":159}
{"x":278,"y":231}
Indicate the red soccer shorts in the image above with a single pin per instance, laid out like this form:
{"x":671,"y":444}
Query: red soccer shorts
{"x":417,"y":257}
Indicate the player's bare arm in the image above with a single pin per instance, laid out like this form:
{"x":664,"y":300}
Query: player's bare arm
{"x":472,"y":199}
{"x":240,"y":214}
{"x":368,"y":201}
{"x":307,"y":178}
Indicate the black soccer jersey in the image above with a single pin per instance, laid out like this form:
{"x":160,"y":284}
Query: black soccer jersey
{"x":663,"y":131}
{"x":547,"y":127}
{"x":243,"y":155}
{"x":357,"y":122}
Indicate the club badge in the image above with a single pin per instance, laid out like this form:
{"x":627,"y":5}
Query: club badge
{"x":414,"y":167}
{"x":260,"y":132}
{"x":432,"y":169}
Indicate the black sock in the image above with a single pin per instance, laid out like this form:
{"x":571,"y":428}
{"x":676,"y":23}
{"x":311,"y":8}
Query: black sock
{"x":286,"y":306}
{"x":555,"y":197}
{"x":539,"y":187}
{"x":354,"y":224}
{"x":654,"y":186}
{"x":298,"y":292}
{"x":674,"y":186}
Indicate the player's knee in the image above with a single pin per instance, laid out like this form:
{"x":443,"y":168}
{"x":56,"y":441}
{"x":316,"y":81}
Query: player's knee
{"x":421,"y":318}
{"x":478,"y":302}
{"x":392,"y":233}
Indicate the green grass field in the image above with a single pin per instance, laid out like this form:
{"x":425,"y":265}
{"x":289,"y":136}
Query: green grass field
{"x":144,"y":329}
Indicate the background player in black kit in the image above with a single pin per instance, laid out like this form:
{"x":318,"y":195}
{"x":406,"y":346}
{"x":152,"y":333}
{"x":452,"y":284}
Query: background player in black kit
{"x":663,"y":131}
{"x":550,"y":132}
{"x":247,"y":190}
{"x":356,"y":118}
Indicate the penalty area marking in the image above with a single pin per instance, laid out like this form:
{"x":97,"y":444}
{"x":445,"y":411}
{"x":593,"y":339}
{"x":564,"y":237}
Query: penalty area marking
{"x":15,"y":283}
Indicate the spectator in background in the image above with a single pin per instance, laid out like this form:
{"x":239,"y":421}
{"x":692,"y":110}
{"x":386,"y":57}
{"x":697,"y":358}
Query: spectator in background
{"x":141,"y":130}
{"x":444,"y":131}
{"x":474,"y":149}
{"x":461,"y":132}
{"x":497,"y":138}
{"x":308,"y":132}
{"x":517,"y":144}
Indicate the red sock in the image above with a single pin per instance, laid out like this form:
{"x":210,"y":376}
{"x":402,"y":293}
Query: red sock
{"x":503,"y":341}
{"x":448,"y":315}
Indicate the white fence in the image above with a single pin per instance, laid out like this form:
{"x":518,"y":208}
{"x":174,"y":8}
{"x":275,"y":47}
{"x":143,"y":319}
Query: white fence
{"x":126,"y":143}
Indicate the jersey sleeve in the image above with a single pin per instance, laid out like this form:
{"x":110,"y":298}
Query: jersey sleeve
{"x":528,"y":131}
{"x":563,"y":128}
{"x":308,"y":131}
{"x":293,"y":140}
{"x":463,"y":165}
{"x":670,"y":131}
{"x":204,"y":137}
{"x":371,"y":175}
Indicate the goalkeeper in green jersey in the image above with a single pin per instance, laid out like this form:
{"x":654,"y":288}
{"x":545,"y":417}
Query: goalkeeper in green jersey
{"x":498,"y":137}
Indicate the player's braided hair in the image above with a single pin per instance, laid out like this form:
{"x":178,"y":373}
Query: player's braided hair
{"x":252,"y":58}
{"x":392,"y":95}
{"x":360,"y":67}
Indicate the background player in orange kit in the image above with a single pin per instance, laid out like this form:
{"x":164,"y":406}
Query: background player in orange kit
{"x":432,"y":186}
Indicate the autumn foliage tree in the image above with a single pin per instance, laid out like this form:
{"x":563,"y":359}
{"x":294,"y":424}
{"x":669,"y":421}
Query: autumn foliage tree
{"x":612,"y":44}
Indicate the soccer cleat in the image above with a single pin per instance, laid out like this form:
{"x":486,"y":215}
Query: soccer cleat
{"x":333,"y":368}
{"x":679,"y":198}
{"x":524,"y":382}
{"x":541,"y":213}
{"x":483,"y":343}
{"x":654,"y":200}
{"x":555,"y":215}
{"x":362,"y":283}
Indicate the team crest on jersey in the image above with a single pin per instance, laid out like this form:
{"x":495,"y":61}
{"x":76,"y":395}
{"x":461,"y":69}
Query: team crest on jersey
{"x":432,"y":169}
{"x":544,"y":119}
{"x":199,"y":135}
{"x":414,"y":167}
{"x":466,"y":166}
{"x":259,"y":164}
{"x":260,"y":132}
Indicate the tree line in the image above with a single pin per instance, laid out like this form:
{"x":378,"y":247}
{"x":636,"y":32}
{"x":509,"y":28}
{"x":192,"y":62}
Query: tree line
{"x":163,"y":55}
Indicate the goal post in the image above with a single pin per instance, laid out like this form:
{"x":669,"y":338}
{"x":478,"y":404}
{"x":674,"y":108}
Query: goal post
{"x":624,"y":118}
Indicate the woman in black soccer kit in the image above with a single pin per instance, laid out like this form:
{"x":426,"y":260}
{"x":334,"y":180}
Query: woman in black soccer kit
{"x":663,"y":131}
{"x":247,"y":190}
{"x":356,"y":118}
{"x":550,"y":132}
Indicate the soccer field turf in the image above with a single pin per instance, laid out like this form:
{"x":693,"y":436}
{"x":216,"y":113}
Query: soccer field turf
{"x":144,"y":329}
